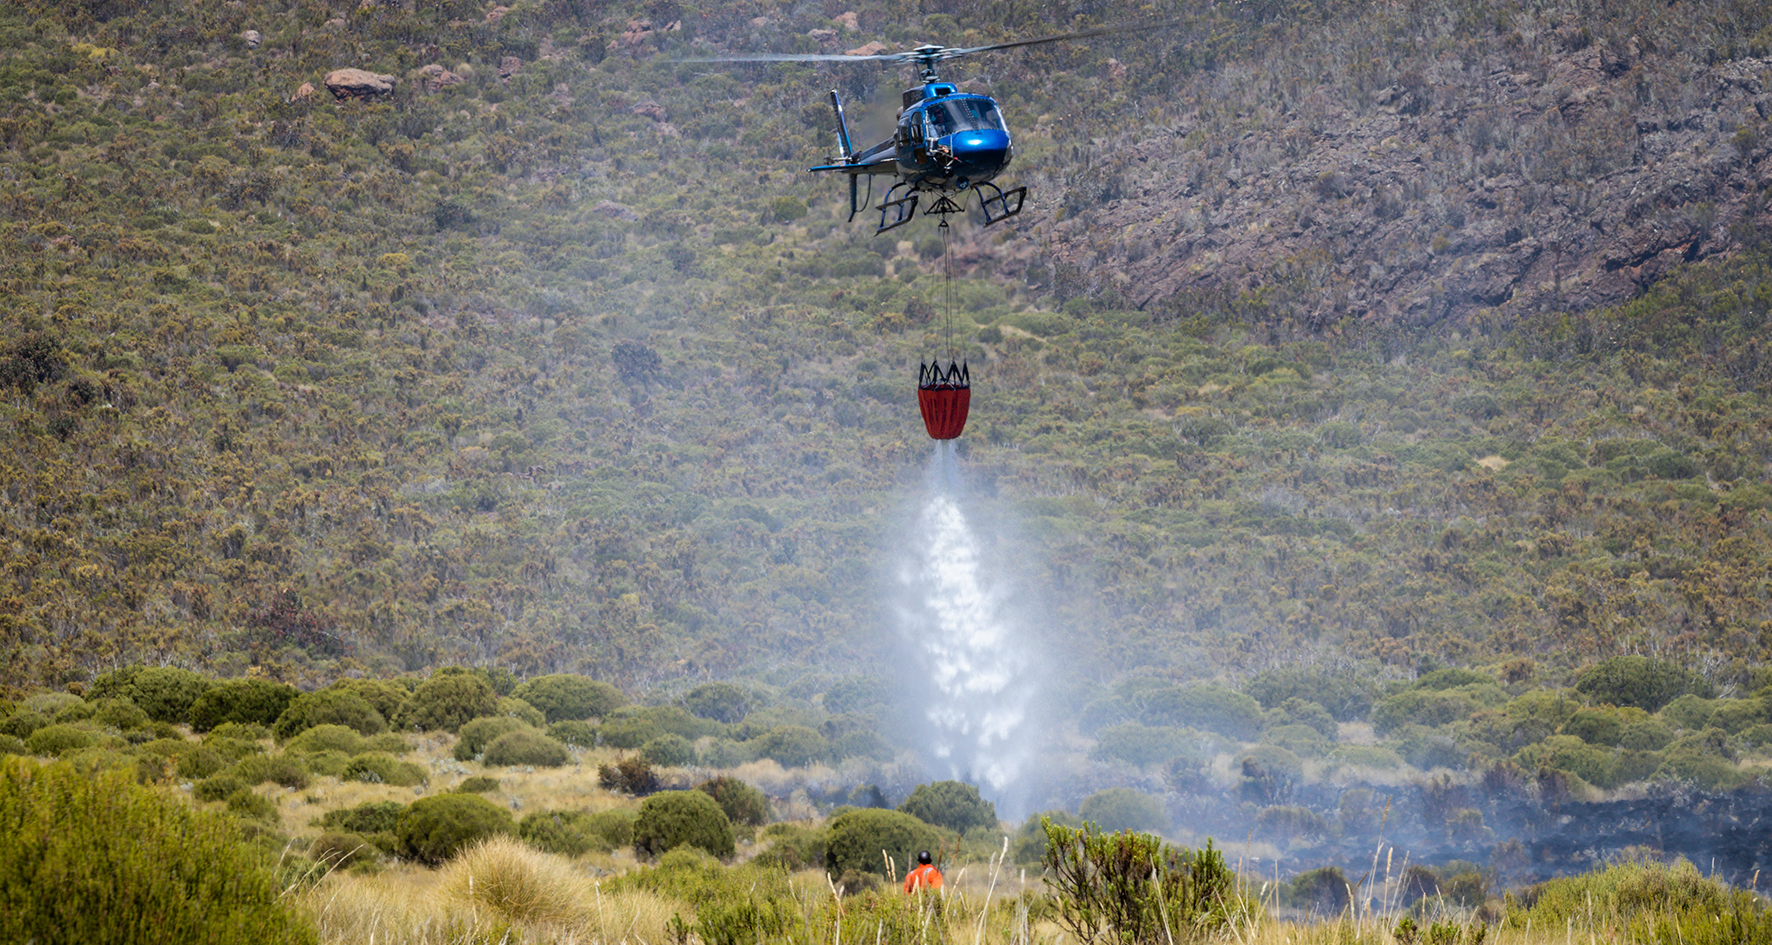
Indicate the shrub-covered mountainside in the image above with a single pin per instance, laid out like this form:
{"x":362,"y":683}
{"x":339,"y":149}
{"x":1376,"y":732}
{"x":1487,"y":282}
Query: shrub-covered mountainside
{"x":554,"y":358}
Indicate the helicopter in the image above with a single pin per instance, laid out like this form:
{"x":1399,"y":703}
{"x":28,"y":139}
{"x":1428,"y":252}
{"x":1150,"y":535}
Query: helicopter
{"x":947,"y":143}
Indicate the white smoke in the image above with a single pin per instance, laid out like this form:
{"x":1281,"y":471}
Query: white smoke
{"x":975,"y":670}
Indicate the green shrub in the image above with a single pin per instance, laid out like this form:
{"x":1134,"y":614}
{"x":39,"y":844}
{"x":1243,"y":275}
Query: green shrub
{"x":22,"y":723}
{"x":128,"y":864}
{"x":285,"y":770}
{"x":1432,"y":707}
{"x":1295,"y":711}
{"x":726,"y":753}
{"x":12,"y":745}
{"x":1341,"y":691}
{"x":854,"y":839}
{"x":566,"y":696}
{"x":328,"y":763}
{"x":218,"y":786}
{"x":792,"y":746}
{"x":244,"y":732}
{"x":385,"y":696}
{"x":526,"y":747}
{"x":376,"y":767}
{"x":669,"y":750}
{"x":1321,"y":892}
{"x":521,"y":711}
{"x":858,"y":693}
{"x":1138,"y":888}
{"x":164,"y":693}
{"x":478,"y":733}
{"x":792,"y":847}
{"x":391,"y":742}
{"x":1640,"y":896}
{"x":628,"y":776}
{"x":120,"y":714}
{"x":1301,"y":740}
{"x":1689,"y":711}
{"x":567,"y":833}
{"x":247,"y":803}
{"x":478,"y":784}
{"x":742,"y":803}
{"x":327,"y":737}
{"x":719,"y":701}
{"x":447,"y":701}
{"x":328,"y":707}
{"x":340,"y":849}
{"x":1602,"y":725}
{"x":1120,"y":808}
{"x":634,"y":726}
{"x":951,"y":805}
{"x":677,"y":818}
{"x":60,"y":738}
{"x":368,"y":818}
{"x":435,"y":828}
{"x":1139,"y":744}
{"x":574,"y":733}
{"x":245,"y":701}
{"x":1225,"y":711}
{"x":1640,"y":681}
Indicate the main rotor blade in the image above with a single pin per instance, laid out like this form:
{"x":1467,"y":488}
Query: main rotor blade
{"x":804,"y":57}
{"x":1080,"y":34}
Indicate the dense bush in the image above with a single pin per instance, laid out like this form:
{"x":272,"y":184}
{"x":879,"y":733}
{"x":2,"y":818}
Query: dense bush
{"x":677,"y":818}
{"x":792,"y":746}
{"x":245,"y":701}
{"x":476,"y":734}
{"x":376,"y":767}
{"x":512,"y":707}
{"x":478,"y":784}
{"x":574,"y":733}
{"x":60,"y":738}
{"x":635,"y":726}
{"x":328,"y":737}
{"x":367,"y":818}
{"x":669,"y":750}
{"x":1225,"y":711}
{"x":446,"y":702}
{"x":1344,"y":692}
{"x":385,"y":695}
{"x":285,"y":770}
{"x":1122,"y":808}
{"x":742,"y":803}
{"x":1137,"y":889}
{"x":951,"y":805}
{"x":628,"y":776}
{"x":575,"y":833}
{"x":328,"y":707}
{"x":526,"y":747}
{"x":719,"y":701}
{"x":247,"y":803}
{"x":163,"y":692}
{"x":435,"y":828}
{"x":1141,"y":745}
{"x":128,"y":864}
{"x":1641,"y":681}
{"x":565,"y":696}
{"x":854,"y":839}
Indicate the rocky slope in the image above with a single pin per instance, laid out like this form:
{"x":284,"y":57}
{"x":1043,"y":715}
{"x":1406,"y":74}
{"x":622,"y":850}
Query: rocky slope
{"x":1516,"y":181}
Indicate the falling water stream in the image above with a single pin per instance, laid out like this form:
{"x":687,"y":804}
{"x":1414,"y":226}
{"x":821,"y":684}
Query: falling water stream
{"x":975,"y":669}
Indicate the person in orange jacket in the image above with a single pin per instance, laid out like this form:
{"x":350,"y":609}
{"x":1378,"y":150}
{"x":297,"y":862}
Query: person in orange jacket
{"x":925,"y":876}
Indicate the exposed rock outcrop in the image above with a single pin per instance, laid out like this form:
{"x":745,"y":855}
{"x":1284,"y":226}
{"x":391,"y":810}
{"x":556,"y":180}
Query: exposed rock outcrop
{"x":1433,"y":200}
{"x":358,"y":83}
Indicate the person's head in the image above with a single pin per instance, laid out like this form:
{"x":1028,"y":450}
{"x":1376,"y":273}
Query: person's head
{"x":924,"y":858}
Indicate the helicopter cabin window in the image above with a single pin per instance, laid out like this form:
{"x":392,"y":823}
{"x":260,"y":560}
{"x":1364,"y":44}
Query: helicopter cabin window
{"x":967,"y":114}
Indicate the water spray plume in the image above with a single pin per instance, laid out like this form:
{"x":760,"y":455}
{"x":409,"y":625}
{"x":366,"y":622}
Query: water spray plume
{"x":975,"y":668}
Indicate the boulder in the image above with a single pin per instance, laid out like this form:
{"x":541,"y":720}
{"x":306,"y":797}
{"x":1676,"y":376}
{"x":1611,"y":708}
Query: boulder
{"x":651,"y":110}
{"x":872,"y":49}
{"x":252,"y":38}
{"x":435,"y":78}
{"x":509,"y":66}
{"x":358,"y":83}
{"x":304,"y":93}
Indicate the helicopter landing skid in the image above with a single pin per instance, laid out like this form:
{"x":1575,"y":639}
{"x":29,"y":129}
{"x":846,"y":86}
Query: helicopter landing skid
{"x":1006,"y":203}
{"x":995,"y":202}
{"x":897,"y":211}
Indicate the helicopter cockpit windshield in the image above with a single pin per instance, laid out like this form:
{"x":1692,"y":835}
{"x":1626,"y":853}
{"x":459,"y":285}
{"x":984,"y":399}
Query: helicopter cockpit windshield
{"x":966,"y":114}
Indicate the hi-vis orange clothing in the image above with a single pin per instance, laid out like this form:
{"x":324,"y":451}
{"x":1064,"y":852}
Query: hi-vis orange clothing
{"x":923,"y":877}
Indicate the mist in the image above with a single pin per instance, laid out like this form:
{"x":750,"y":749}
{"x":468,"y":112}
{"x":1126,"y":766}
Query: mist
{"x":971,"y":657}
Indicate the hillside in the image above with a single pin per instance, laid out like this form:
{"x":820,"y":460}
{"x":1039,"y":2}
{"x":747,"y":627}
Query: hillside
{"x":568,"y":365}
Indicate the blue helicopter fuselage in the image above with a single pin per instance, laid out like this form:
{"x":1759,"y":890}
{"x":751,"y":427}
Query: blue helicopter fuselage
{"x":949,"y":140}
